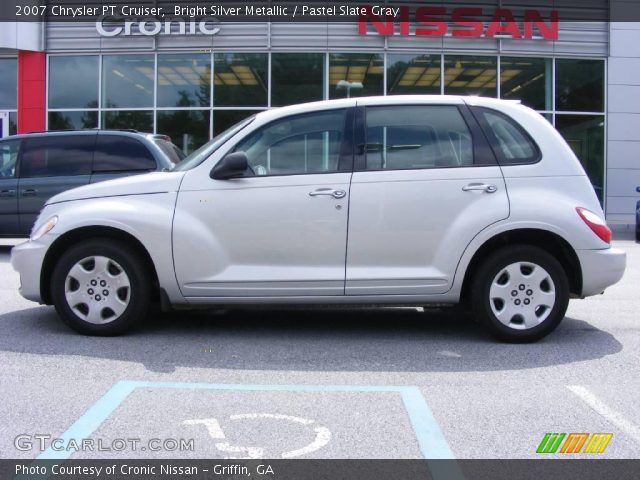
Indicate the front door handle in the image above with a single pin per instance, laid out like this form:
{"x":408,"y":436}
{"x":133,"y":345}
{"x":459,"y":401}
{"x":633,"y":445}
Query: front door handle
{"x":29,"y":192}
{"x":7,"y":193}
{"x":328,"y":192}
{"x":480,"y":187}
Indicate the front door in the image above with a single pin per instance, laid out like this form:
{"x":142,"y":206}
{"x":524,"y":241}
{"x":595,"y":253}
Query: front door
{"x":425,"y":185}
{"x":280,"y":230}
{"x":9,"y":220}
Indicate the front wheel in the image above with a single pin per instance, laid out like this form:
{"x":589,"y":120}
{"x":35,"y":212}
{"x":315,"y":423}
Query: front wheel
{"x":520,"y":293}
{"x":100,"y":288}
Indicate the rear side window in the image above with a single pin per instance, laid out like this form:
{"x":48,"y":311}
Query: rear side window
{"x":514,"y":146}
{"x":417,"y":137}
{"x":52,"y":156}
{"x":116,"y":153}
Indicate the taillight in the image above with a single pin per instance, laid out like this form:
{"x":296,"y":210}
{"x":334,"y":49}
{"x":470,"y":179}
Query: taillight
{"x":595,"y":223}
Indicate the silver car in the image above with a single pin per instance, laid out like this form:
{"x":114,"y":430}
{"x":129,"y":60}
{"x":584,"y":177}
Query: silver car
{"x":384,"y":200}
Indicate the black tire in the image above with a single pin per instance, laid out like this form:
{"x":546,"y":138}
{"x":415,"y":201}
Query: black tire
{"x":483,"y":306}
{"x":138,"y":293}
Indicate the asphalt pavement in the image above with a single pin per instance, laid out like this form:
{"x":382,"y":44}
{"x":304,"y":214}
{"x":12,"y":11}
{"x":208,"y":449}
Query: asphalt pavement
{"x":319,"y":383}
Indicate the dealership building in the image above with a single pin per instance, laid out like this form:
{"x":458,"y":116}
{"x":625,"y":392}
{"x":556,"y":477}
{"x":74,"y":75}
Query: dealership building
{"x":191,"y":81}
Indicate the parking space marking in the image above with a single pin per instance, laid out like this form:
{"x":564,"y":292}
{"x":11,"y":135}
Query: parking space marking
{"x":431,"y":440}
{"x":606,"y":411}
{"x":323,"y":434}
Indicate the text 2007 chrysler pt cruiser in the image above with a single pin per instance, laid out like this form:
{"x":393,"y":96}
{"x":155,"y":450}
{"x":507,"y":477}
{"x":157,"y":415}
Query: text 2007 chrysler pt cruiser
{"x":387,"y":201}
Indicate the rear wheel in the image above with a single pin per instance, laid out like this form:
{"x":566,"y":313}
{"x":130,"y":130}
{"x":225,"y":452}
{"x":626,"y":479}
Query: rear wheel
{"x":520,"y":293}
{"x":100,"y":288}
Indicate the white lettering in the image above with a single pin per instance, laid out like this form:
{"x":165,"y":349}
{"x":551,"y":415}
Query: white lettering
{"x":150,"y":27}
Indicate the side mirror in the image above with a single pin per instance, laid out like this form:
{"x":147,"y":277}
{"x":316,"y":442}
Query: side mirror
{"x":233,"y":165}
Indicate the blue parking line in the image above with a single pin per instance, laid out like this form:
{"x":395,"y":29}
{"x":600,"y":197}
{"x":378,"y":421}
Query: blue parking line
{"x":431,"y":440}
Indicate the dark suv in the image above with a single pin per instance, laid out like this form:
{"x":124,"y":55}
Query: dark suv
{"x":36,"y":166}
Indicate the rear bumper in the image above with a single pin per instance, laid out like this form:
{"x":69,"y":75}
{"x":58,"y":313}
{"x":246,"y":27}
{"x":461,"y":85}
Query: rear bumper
{"x":27,"y":259}
{"x":601,"y":269}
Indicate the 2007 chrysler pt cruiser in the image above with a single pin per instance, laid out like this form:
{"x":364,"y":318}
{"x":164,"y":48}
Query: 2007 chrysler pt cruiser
{"x":386,"y":201}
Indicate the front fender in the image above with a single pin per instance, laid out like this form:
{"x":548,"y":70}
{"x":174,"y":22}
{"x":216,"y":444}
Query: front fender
{"x":148,"y":218}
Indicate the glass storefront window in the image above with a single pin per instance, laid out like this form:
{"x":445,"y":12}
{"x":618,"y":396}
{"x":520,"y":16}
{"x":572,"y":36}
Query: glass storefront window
{"x":127,"y":81}
{"x":240,"y":80}
{"x":8,"y":83}
{"x":73,"y":82}
{"x":188,"y":129}
{"x":580,"y":85}
{"x":470,"y":75}
{"x":73,"y":120}
{"x":527,"y":79}
{"x":585,"y":136}
{"x":223,"y":119}
{"x":184,"y":80}
{"x":139,"y":120}
{"x":355,"y":74}
{"x":296,"y":78}
{"x":413,"y":74}
{"x":13,"y":123}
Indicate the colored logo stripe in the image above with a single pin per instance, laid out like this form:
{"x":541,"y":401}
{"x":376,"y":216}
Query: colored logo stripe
{"x":550,"y":443}
{"x":574,"y":443}
{"x":598,"y":442}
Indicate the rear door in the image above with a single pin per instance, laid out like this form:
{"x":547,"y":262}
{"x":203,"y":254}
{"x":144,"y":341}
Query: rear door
{"x":120,"y":156}
{"x":51,"y":164}
{"x":9,"y":220}
{"x":426,"y":182}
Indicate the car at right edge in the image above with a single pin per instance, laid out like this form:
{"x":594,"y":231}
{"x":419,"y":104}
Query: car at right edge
{"x":406,"y":200}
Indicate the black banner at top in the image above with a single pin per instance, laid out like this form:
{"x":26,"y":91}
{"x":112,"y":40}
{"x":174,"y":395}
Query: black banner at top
{"x":427,"y":13}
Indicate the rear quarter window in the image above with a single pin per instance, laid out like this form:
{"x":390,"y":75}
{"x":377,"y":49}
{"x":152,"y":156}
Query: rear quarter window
{"x":512,"y":144}
{"x":119,"y":154}
{"x":173,"y":153}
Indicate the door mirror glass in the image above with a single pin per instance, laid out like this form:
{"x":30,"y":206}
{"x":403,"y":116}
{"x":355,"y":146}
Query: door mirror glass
{"x":233,"y":165}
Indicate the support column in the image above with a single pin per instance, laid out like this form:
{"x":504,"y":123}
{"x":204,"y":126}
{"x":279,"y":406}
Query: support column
{"x":32,"y":82}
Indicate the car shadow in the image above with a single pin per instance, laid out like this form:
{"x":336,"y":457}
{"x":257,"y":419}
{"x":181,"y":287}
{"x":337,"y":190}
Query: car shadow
{"x":322,"y":339}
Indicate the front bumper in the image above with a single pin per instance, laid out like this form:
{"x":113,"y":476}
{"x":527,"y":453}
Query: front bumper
{"x":601,"y":269}
{"x":27,"y":259}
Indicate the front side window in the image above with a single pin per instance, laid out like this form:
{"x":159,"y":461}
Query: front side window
{"x":117,"y":154}
{"x":8,"y":158}
{"x":513,"y":144}
{"x":57,"y":156}
{"x":417,"y":137}
{"x":303,"y":144}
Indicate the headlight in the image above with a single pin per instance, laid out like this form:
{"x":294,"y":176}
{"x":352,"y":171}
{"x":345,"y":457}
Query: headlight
{"x":44,"y":228}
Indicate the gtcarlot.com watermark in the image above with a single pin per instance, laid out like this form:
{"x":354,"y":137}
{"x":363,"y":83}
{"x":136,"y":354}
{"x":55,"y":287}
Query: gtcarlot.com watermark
{"x":26,"y":442}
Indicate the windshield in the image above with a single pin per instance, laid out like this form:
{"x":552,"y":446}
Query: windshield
{"x":196,"y":158}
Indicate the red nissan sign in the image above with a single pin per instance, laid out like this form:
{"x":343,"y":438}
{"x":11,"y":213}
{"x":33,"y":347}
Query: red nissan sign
{"x":460,"y":22}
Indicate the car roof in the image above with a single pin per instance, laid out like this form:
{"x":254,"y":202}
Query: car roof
{"x":276,"y":113}
{"x":87,"y":131}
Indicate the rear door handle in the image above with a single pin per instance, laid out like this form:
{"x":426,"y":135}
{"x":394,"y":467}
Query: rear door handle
{"x":29,"y":192}
{"x":7,"y":193}
{"x":328,"y":192}
{"x":480,"y":187}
